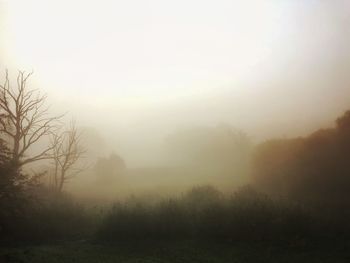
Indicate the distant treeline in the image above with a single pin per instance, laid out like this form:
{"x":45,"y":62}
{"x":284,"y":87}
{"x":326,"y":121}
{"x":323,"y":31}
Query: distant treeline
{"x":313,"y":168}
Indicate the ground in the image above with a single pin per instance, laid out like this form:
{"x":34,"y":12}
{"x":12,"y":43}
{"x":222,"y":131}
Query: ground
{"x":87,"y":252}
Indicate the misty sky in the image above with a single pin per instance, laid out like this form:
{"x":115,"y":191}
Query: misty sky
{"x":138,"y":70}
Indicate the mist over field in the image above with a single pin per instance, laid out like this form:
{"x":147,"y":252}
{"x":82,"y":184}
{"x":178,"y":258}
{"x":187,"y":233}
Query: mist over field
{"x":269,"y":68}
{"x":224,"y":125}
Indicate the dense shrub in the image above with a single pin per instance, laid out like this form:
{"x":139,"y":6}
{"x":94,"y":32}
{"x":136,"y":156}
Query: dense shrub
{"x":53,"y":217}
{"x":206,"y":214}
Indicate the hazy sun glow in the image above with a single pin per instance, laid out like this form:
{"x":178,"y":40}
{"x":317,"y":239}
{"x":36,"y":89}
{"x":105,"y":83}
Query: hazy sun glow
{"x":137,"y":48}
{"x":153,"y":66}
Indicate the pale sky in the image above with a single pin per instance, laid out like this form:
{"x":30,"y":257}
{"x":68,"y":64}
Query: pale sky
{"x":143,"y":49}
{"x":272,"y":68}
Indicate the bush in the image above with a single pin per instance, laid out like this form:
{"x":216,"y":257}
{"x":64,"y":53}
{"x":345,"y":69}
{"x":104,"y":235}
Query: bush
{"x":54,"y":217}
{"x":206,"y":214}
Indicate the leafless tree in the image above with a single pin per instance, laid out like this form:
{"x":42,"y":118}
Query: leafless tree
{"x":67,"y":151}
{"x":24,"y":120}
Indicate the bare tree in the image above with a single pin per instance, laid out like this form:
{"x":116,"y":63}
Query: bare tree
{"x":24,"y":120}
{"x":67,"y":151}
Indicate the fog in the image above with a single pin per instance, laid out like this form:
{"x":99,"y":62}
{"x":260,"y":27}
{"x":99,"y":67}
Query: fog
{"x":133,"y":73}
{"x":174,"y":131}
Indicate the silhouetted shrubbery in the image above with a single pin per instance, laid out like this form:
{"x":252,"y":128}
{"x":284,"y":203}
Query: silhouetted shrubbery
{"x":206,"y":214}
{"x":53,"y":217}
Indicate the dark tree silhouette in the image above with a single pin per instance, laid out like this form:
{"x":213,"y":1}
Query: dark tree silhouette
{"x":24,"y":120}
{"x":315,"y":167}
{"x":67,"y":151}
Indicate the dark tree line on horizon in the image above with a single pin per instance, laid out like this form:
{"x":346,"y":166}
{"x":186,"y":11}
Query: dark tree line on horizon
{"x":312,"y":167}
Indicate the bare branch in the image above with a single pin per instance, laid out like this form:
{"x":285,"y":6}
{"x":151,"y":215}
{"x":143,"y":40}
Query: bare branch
{"x":25,"y":119}
{"x":67,"y":151}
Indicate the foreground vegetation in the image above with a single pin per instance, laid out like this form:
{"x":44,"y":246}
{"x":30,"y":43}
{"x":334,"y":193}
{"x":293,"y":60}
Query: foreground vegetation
{"x":202,"y":225}
{"x":189,"y":251}
{"x":204,"y":213}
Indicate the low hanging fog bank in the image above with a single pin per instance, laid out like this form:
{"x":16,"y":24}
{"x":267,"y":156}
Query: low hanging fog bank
{"x":300,"y":84}
{"x":185,"y":103}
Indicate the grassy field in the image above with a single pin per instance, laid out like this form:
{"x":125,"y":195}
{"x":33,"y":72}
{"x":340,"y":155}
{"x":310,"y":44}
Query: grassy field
{"x":172,"y":252}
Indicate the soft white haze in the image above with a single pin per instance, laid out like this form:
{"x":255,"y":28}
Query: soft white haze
{"x":140,"y":69}
{"x":141,"y":48}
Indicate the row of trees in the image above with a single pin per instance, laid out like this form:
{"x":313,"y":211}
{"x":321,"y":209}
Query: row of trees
{"x":221,"y":150}
{"x":316,"y":166}
{"x":26,"y":123}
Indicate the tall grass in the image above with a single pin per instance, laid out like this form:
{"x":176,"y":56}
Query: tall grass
{"x":207,"y":214}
